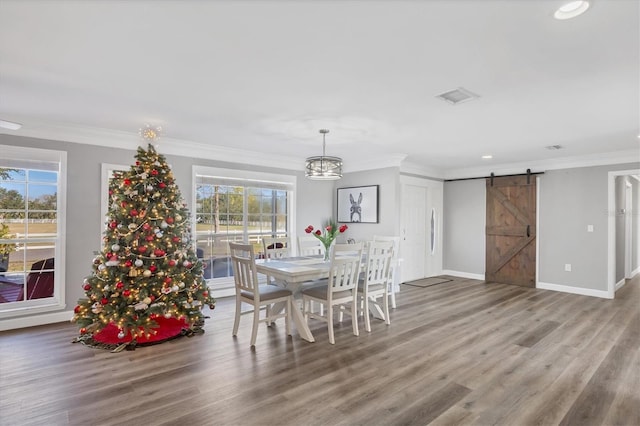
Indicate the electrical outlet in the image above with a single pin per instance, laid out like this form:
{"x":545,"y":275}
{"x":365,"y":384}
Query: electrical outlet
{"x":589,"y":228}
{"x":567,"y":267}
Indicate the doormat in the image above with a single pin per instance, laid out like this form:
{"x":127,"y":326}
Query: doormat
{"x":428,"y":282}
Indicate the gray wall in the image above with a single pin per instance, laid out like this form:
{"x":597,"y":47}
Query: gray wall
{"x":464,"y":226}
{"x":569,"y":200}
{"x":85,"y":224}
{"x":388,"y":201}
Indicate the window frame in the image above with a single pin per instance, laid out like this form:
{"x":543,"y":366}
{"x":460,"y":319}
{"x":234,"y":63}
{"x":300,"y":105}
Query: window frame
{"x":57,"y":302}
{"x":225,"y":286}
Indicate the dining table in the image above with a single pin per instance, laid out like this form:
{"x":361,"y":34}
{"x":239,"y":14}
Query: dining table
{"x":292,"y":273}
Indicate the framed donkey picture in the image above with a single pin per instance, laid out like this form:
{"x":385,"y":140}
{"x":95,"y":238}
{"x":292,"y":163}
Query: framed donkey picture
{"x":358,"y":204}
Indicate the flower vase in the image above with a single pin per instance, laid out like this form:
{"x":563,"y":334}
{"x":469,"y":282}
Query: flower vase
{"x":327,"y":252}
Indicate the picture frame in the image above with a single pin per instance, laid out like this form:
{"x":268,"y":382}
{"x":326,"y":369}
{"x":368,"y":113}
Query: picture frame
{"x":358,"y":204}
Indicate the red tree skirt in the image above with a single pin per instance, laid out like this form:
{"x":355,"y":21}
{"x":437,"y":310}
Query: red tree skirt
{"x":167,"y":328}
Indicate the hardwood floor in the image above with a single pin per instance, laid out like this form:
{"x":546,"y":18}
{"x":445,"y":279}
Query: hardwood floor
{"x":463,"y":352}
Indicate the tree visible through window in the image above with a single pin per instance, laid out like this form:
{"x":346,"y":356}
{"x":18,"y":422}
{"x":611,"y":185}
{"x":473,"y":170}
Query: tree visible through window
{"x":231,"y":209}
{"x":28,"y":233}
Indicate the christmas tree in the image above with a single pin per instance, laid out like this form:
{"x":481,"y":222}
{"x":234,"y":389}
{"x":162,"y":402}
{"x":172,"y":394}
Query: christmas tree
{"x":147,"y":284}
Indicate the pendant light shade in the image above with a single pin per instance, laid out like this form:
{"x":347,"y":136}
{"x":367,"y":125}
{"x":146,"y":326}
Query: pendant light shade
{"x":323,"y":167}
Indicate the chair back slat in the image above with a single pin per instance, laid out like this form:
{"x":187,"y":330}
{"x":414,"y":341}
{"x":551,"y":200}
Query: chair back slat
{"x":345,"y":267}
{"x":379,"y":257}
{"x":276,"y":247}
{"x":309,"y":246}
{"x":245,"y":273}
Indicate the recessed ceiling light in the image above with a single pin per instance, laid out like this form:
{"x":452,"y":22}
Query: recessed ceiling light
{"x":571,"y":9}
{"x":10,"y":125}
{"x":487,"y":157}
{"x":554,"y":147}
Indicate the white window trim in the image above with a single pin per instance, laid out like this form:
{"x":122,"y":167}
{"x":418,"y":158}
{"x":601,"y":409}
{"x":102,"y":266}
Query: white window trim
{"x":106,"y":172}
{"x":57,"y":302}
{"x":248,"y":176}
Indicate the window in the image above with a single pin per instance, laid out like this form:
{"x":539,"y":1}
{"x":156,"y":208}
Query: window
{"x":32,"y":193}
{"x":232,"y":205}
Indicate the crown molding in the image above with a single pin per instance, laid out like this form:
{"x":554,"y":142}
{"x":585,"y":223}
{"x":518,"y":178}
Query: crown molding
{"x":184,"y":148}
{"x":393,"y":160}
{"x":601,"y":159}
{"x":411,"y":168}
{"x":168,"y":146}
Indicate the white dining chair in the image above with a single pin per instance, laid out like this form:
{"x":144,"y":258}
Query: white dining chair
{"x":310,"y":246}
{"x":340,"y":289}
{"x":393,"y":288}
{"x":276,"y":247}
{"x":374,"y":281}
{"x":249,"y":291}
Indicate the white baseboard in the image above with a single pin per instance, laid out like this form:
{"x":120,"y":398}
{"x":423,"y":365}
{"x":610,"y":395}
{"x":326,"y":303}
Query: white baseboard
{"x":575,"y":290}
{"x":32,"y":321}
{"x":620,"y":284}
{"x":463,"y":274}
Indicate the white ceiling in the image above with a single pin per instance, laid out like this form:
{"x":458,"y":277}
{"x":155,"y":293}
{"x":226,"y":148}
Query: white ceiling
{"x":265,"y":76}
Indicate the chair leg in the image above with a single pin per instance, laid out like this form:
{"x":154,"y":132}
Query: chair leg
{"x":236,"y":321}
{"x":367,"y":321}
{"x":387,"y":320}
{"x":267,"y":311}
{"x":332,"y":339}
{"x":254,"y":329}
{"x":354,"y":315}
{"x":391,"y":292}
{"x":306,"y":303}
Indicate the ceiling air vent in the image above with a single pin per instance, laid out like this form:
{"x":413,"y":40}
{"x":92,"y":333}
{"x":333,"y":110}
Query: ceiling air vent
{"x":553,"y":147}
{"x":457,"y":96}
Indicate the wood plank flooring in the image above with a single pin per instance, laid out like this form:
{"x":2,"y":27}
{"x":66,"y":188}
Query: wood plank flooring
{"x":458,"y":353}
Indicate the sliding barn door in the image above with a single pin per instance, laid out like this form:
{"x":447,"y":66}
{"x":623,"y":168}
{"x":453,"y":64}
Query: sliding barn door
{"x":511,"y":230}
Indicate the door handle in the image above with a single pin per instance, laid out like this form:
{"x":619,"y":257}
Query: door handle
{"x":528,"y":231}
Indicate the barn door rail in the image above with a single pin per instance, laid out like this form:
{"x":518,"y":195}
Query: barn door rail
{"x":528,"y":174}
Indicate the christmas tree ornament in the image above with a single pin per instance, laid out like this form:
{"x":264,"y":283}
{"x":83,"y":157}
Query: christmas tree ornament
{"x":127,"y":304}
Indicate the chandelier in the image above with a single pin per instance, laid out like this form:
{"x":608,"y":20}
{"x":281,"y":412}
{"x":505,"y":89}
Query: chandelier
{"x":323,"y":167}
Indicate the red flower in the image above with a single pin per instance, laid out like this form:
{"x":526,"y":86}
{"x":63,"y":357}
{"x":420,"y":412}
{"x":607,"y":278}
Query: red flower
{"x":343,"y":228}
{"x":328,"y":228}
{"x":308,"y":229}
{"x":318,"y":232}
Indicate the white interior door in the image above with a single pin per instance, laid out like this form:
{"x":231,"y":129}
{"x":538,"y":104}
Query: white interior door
{"x":413,"y":232}
{"x":420,"y":228}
